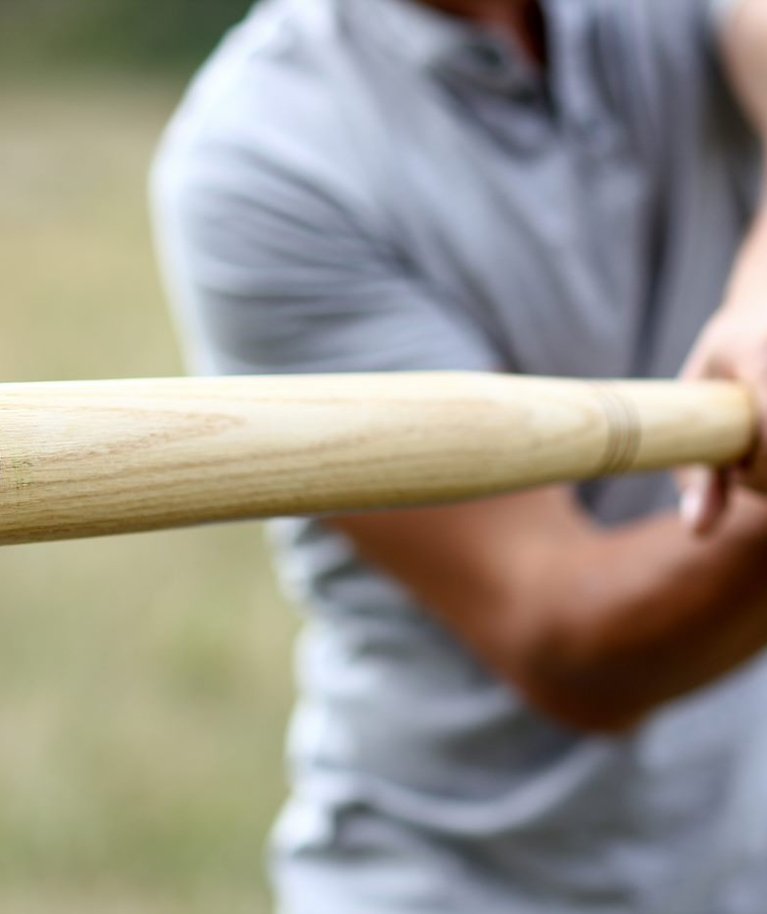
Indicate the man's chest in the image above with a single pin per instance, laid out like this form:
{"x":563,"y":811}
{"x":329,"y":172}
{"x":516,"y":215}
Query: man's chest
{"x":550,"y":248}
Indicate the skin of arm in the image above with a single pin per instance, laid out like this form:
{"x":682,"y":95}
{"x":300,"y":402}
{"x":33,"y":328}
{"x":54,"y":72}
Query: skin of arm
{"x":734,"y":343}
{"x":595,"y":627}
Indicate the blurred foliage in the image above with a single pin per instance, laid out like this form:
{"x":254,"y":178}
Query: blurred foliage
{"x":144,"y":681}
{"x":157,"y":34}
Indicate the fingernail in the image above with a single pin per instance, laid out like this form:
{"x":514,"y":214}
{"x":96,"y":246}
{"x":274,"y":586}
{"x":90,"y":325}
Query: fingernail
{"x":691,"y":508}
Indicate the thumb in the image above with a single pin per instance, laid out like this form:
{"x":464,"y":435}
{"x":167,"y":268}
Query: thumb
{"x":703,"y":501}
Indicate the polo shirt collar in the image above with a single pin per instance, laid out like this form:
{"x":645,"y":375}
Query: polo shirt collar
{"x":419,"y":33}
{"x":430,"y":40}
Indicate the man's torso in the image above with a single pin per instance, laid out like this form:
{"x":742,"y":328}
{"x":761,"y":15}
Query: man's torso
{"x":581,"y":224}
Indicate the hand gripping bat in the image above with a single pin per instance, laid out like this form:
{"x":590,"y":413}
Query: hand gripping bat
{"x":88,"y":458}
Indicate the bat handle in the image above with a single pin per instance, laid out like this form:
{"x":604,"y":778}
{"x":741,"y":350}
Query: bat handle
{"x":667,"y":424}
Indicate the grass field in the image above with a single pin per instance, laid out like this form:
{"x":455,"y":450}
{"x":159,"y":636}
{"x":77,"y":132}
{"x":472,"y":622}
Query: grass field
{"x":144,"y":680}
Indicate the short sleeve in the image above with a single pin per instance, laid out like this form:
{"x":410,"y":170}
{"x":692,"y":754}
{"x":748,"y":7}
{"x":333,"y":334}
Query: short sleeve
{"x":272,"y":267}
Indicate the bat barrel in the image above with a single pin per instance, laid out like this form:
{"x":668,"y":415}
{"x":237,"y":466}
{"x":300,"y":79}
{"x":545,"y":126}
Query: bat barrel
{"x":100,"y":457}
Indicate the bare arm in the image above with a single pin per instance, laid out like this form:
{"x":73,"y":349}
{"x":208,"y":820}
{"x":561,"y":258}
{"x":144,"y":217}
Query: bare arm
{"x":744,"y":44}
{"x":734,"y":344}
{"x":596,"y":627}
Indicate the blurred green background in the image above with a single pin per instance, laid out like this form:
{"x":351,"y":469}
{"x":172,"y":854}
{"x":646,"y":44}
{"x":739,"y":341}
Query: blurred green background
{"x":144,"y":680}
{"x":159,"y":34}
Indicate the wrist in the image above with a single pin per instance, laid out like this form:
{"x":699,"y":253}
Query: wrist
{"x":750,"y":272}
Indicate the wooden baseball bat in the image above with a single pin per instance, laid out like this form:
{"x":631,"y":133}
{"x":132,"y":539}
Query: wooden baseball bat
{"x":98,"y":457}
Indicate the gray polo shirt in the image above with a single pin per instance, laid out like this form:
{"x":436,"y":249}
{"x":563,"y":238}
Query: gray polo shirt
{"x":370,"y":185}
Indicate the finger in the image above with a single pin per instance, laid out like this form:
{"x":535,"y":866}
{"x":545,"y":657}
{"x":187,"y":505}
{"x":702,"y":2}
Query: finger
{"x":704,"y":499}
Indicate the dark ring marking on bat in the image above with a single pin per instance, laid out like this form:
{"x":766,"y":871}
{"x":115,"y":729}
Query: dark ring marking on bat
{"x":624,"y":432}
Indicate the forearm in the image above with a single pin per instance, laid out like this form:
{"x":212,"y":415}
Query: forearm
{"x":746,"y":293}
{"x":595,"y":626}
{"x":642,"y":615}
{"x":744,"y":47}
{"x":734,"y":342}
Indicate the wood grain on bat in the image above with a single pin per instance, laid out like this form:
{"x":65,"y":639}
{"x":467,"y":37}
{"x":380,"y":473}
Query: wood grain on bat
{"x":95,"y":457}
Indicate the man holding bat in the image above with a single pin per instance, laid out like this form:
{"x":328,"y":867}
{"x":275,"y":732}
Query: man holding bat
{"x":553,"y":702}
